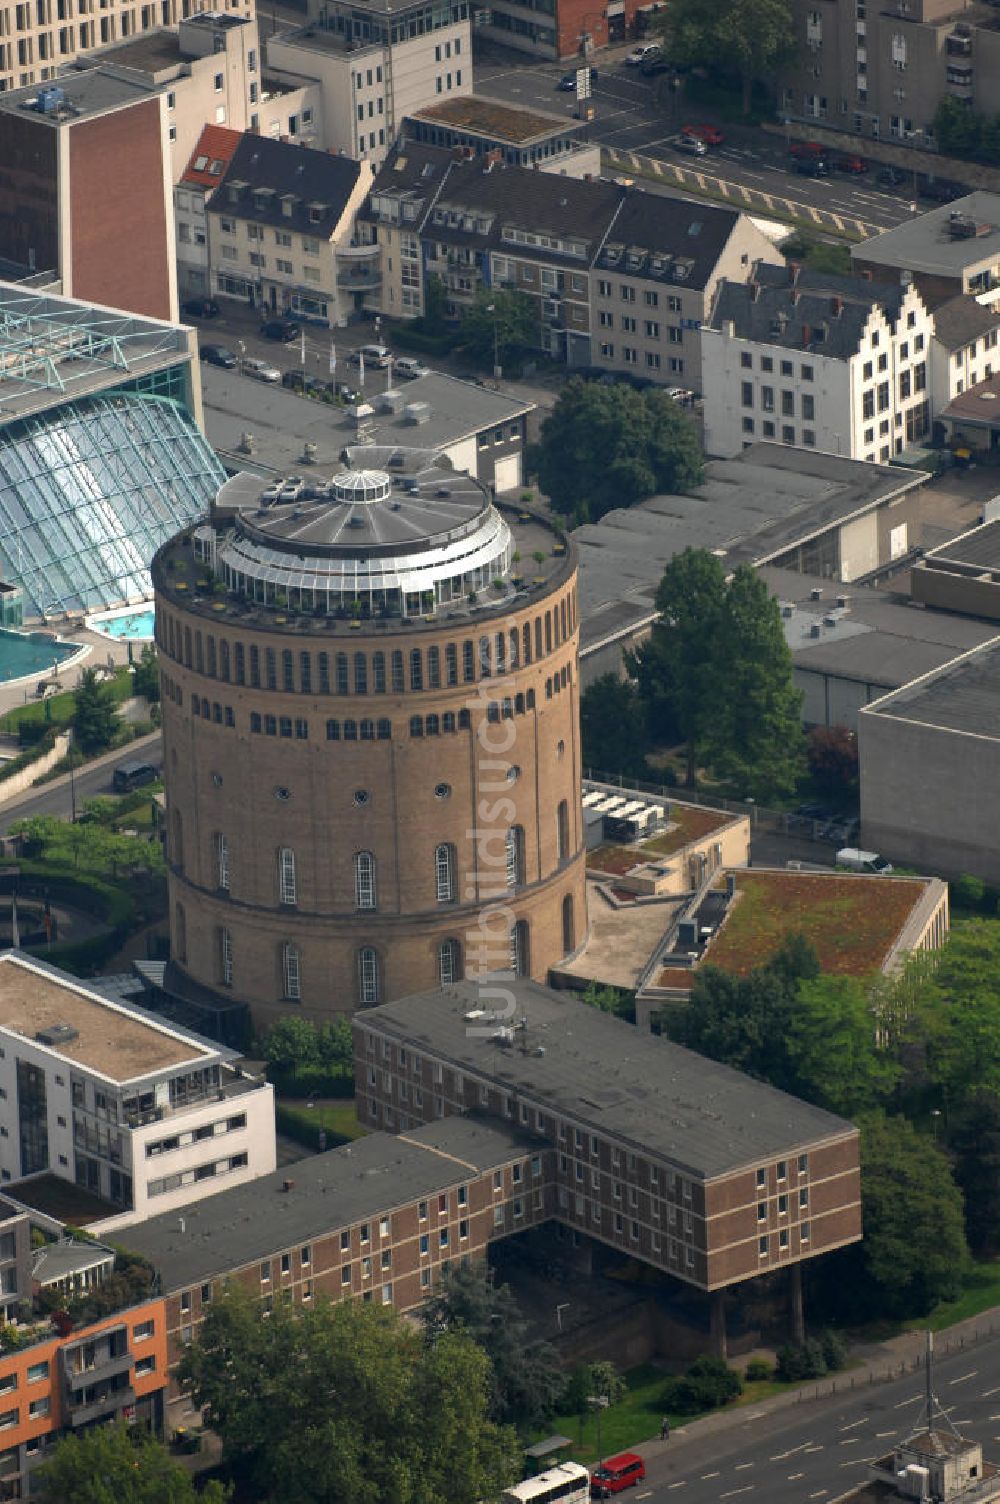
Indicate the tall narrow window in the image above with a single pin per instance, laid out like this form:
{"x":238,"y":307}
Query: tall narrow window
{"x":515,"y":856}
{"x":449,"y":962}
{"x":520,"y":959}
{"x":514,"y":641}
{"x":226,"y":957}
{"x":364,"y":880}
{"x":343,"y":686}
{"x":444,"y":867}
{"x":416,"y":669}
{"x":451,"y":664}
{"x":433,"y":668}
{"x":484,"y":657}
{"x":254,"y":667}
{"x":568,"y":925}
{"x":180,"y":932}
{"x":562,"y":828}
{"x":360,"y":674}
{"x":501,"y":652}
{"x":222,"y":862}
{"x":527,"y":642}
{"x":324,"y":673}
{"x":291,"y":971}
{"x":286,"y":875}
{"x":397,"y":673}
{"x":305,"y":673}
{"x":287,"y":670}
{"x":378,"y":673}
{"x":468,"y":661}
{"x":368,"y":988}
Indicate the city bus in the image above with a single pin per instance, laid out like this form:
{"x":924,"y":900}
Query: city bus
{"x":566,"y":1483}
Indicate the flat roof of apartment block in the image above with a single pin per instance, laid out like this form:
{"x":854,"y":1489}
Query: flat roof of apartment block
{"x":57,"y":1012}
{"x":605,"y":1074}
{"x":319,"y":1194}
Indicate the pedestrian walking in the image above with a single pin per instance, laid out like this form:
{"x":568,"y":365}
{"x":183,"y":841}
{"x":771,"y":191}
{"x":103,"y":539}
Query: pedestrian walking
{"x":665,"y":1429}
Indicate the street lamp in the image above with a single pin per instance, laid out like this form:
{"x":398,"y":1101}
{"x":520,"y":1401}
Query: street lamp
{"x":497,"y":372}
{"x":598,"y":1402}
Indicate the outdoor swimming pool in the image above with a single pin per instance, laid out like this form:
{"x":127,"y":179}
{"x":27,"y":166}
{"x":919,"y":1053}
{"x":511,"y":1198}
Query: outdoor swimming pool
{"x":133,"y":625}
{"x":23,"y":654}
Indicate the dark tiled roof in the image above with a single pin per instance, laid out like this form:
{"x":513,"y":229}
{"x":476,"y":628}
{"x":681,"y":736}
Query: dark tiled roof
{"x":977,"y":404}
{"x":965,"y":696}
{"x":312,"y":177}
{"x":569,"y":208}
{"x":962,"y":319}
{"x":414,"y":170}
{"x":828,"y":314}
{"x":652,"y":235}
{"x":980,"y":547}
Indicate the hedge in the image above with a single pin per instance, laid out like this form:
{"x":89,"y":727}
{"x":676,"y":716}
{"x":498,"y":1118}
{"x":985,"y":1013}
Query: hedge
{"x":312,"y":1083}
{"x":94,"y":895}
{"x":33,"y":753}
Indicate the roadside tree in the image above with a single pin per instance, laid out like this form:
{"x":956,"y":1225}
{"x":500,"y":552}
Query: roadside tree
{"x":748,"y":38}
{"x":95,"y":716}
{"x":108,"y":1465}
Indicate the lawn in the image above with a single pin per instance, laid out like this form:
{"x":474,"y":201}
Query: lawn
{"x":304,"y":1120}
{"x":637,"y":1417}
{"x":688,"y":822}
{"x":853,"y":924}
{"x":981,"y":1293}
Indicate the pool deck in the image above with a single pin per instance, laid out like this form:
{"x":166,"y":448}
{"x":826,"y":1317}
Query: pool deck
{"x":97,"y":650}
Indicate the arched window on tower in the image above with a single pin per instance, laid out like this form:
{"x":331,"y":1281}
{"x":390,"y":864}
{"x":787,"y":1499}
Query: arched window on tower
{"x":287,"y":883}
{"x":562,"y":829}
{"x":520,"y":949}
{"x":368,"y":977}
{"x":568,"y":925}
{"x":515,"y":856}
{"x":449,"y":962}
{"x":291,"y":972}
{"x":444,"y":872}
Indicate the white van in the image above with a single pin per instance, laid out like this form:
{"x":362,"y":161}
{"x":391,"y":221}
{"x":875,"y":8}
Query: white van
{"x":863,"y":861}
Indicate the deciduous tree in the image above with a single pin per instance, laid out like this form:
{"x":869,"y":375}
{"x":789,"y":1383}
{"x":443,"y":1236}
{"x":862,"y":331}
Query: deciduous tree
{"x":499,"y":322}
{"x":107,"y":1465}
{"x":749,"y":38}
{"x":611,"y":446}
{"x":347,"y":1404}
{"x":612,"y":727}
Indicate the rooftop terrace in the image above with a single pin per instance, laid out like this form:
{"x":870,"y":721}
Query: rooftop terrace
{"x":494,"y":120}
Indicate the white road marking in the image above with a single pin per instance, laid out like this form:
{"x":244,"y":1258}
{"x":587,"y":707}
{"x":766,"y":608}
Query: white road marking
{"x":855,"y":1424}
{"x":962,"y":1377}
{"x":880,"y":1434}
{"x":911,"y":1401}
{"x":709,"y":1475}
{"x":792,"y":1476}
{"x":819,"y":1494}
{"x":850,"y":1441}
{"x":817,"y":1448}
{"x":988,"y":1392}
{"x":748,"y":1489}
{"x":681,"y":1484}
{"x":646,"y":1495}
{"x":742,"y":1466}
{"x":783,"y":1456}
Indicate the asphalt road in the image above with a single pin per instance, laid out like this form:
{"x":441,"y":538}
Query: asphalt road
{"x":57,"y":798}
{"x":630,"y":117}
{"x":818,"y":1450}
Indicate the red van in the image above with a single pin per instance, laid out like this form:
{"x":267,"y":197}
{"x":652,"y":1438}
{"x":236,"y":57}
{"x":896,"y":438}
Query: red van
{"x":617,"y":1474}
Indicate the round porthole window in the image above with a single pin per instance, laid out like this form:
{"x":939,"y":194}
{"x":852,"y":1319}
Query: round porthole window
{"x":361,"y":796}
{"x":280,"y":792}
{"x":217,"y":780}
{"x":442,"y":791}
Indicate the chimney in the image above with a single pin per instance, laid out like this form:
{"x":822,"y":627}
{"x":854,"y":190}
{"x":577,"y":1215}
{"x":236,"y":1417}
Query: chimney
{"x":754,"y":291}
{"x":836,"y":306}
{"x":794,"y":267}
{"x":806,"y":336}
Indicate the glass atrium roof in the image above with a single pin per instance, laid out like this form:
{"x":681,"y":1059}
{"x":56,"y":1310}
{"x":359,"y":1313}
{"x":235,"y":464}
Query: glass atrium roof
{"x":89,"y":490}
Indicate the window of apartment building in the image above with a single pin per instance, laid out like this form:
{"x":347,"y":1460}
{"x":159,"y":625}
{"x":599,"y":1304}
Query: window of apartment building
{"x":627,"y":292}
{"x":809,"y":438}
{"x":651,"y":299}
{"x":786,"y":368}
{"x":809,"y":407}
{"x":629,"y":325}
{"x":604,"y":288}
{"x":767,"y":429}
{"x":38,"y":1372}
{"x":287,"y":888}
{"x":630,"y":355}
{"x":675,"y":334}
{"x":605,"y":320}
{"x":883,"y":362}
{"x":8,"y":1382}
{"x":220,"y":80}
{"x":767,"y":398}
{"x":766,"y":363}
{"x":653,"y":360}
{"x":787,"y":404}
{"x":868,"y":404}
{"x":746,"y":393}
{"x":607,"y":350}
{"x":787,"y":434}
{"x":746,"y":360}
{"x":883,"y":396}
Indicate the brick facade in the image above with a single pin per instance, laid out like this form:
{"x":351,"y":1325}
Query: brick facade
{"x":347,"y":755}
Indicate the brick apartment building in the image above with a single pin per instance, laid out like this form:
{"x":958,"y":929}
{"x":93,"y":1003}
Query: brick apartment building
{"x":378,"y":1220}
{"x":660,"y":1154}
{"x":85,"y":173}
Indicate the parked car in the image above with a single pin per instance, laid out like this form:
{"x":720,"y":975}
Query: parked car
{"x":201,"y":308}
{"x":854,"y":166}
{"x":710,"y":134}
{"x":807,"y":149}
{"x":654,"y":65}
{"x":892,"y":177}
{"x":811,"y":167}
{"x":374,"y":355}
{"x":939,"y":192}
{"x":284,"y":330}
{"x":293,"y":380}
{"x":347,"y":393}
{"x":218,"y":355}
{"x":642,"y":54}
{"x":692,"y":144}
{"x":568,"y":81}
{"x":409,"y":368}
{"x":260,"y":370}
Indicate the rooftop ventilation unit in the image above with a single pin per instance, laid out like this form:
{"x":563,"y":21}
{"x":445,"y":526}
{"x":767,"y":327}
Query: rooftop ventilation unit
{"x":57,"y":1034}
{"x":417,"y":412}
{"x":390,"y":402}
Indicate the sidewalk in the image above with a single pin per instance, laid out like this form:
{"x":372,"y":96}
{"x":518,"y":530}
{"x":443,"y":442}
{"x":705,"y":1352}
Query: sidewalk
{"x":116,"y":755}
{"x":881,"y":1362}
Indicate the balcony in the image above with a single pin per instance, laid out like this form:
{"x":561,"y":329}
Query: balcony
{"x":358,"y":254}
{"x":359,"y":279}
{"x":101,"y":1405}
